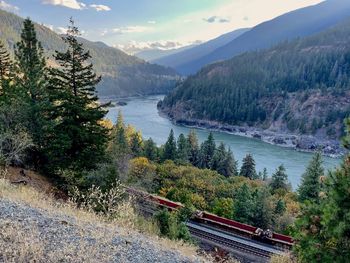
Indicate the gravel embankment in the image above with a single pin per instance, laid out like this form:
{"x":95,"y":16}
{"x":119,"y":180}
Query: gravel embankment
{"x":61,"y":238}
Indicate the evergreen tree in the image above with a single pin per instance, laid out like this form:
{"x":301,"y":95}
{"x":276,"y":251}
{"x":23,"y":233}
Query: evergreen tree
{"x":183,"y":149}
{"x":322,"y":229}
{"x":136,"y":144}
{"x":280,"y":207}
{"x":248,"y":167}
{"x":170,"y":147}
{"x":263,"y":209}
{"x":279,"y":179}
{"x":265,"y":175}
{"x":194,"y":148}
{"x":243,"y":204}
{"x":310,"y":182}
{"x":150,"y":150}
{"x":32,"y":88}
{"x":79,"y":141}
{"x":223,"y":162}
{"x":207,"y":151}
{"x":119,"y":141}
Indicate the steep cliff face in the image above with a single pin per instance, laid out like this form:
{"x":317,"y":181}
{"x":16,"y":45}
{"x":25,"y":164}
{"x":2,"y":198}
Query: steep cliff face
{"x":124,"y":75}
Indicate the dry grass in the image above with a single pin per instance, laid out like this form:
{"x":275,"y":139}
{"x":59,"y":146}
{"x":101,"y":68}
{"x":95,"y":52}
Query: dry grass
{"x":286,"y":258}
{"x":27,"y":246}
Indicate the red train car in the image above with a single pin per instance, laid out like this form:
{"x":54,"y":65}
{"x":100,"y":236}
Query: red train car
{"x":251,"y":230}
{"x":166,"y":203}
{"x":279,"y":238}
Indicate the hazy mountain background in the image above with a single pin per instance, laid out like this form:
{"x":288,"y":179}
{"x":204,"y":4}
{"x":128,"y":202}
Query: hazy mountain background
{"x":123,"y":75}
{"x":298,"y":23}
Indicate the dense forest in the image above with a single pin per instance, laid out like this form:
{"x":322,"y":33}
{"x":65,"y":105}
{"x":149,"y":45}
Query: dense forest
{"x":51,"y":121}
{"x":124,"y":75}
{"x":300,"y":87}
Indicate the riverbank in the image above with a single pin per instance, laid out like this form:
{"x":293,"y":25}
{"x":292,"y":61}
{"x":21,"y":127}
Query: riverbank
{"x":303,"y":143}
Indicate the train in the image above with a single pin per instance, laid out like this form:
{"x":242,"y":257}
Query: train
{"x":253,"y":232}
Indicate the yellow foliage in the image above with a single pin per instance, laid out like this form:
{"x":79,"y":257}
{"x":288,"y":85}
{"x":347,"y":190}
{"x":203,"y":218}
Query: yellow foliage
{"x":140,"y":167}
{"x":106,"y":123}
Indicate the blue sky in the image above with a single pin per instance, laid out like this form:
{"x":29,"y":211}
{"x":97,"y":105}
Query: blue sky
{"x":142,"y":24}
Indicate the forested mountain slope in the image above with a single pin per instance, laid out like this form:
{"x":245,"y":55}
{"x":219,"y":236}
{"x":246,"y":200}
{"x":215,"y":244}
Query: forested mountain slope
{"x":298,"y":87}
{"x":299,"y":23}
{"x":178,"y":60}
{"x":123,"y":75}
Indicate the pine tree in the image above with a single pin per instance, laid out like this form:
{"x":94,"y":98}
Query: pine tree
{"x":183,"y":149}
{"x":248,"y":167}
{"x":136,"y":144}
{"x":310,"y":182}
{"x":79,"y":140}
{"x":265,"y":175}
{"x":230,"y":165}
{"x":32,"y":88}
{"x":263,"y":209}
{"x":279,"y":179}
{"x":242,"y":206}
{"x":194,"y":148}
{"x":170,"y":147}
{"x":119,"y":140}
{"x":223,"y":162}
{"x":207,"y":151}
{"x":280,"y":207}
{"x":150,"y":150}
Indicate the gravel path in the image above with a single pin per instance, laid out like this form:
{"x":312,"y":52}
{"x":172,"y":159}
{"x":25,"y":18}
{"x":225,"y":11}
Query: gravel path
{"x":29,"y":234}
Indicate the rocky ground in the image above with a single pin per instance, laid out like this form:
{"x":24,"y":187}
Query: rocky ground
{"x":30,"y":232}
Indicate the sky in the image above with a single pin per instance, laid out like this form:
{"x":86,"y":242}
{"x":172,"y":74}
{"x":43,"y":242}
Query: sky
{"x":135,"y":25}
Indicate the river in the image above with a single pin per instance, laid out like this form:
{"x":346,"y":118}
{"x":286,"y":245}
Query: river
{"x":142,"y":113}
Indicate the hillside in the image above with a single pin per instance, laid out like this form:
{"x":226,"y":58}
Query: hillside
{"x":154,"y":54}
{"x":123,"y":75}
{"x":300,"y":87}
{"x":179,"y":59}
{"x":36,"y":228}
{"x":299,"y":23}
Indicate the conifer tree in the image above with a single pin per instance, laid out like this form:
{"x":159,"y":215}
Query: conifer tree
{"x":280,"y":207}
{"x":207,"y":151}
{"x":229,"y":165}
{"x":79,"y":139}
{"x":183,"y":149}
{"x":223,"y":162}
{"x":136,"y":144}
{"x":150,"y":150}
{"x":194,"y":148}
{"x":248,"y":167}
{"x":279,"y":179}
{"x":265,"y":175}
{"x":310,"y":186}
{"x":170,"y":147}
{"x":263,"y":209}
{"x":32,"y":88}
{"x":243,"y":204}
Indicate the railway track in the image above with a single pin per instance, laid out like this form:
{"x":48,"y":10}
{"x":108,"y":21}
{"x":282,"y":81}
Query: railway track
{"x":234,"y":243}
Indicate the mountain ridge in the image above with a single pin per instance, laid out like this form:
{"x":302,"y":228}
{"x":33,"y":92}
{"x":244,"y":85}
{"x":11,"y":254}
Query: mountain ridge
{"x":123,"y":75}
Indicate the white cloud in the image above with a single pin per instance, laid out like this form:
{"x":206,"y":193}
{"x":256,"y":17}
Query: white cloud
{"x":151,"y":22}
{"x":100,"y":7}
{"x":74,"y":4}
{"x":133,"y":47}
{"x":8,"y":7}
{"x":131,"y":29}
{"x":61,"y":30}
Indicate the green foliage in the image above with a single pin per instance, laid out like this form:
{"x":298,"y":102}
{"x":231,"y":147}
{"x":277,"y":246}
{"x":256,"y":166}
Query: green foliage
{"x":183,"y":149}
{"x":243,"y":204}
{"x":263,"y":213}
{"x":78,"y":141}
{"x":207,"y":151}
{"x":323,"y":227}
{"x":310,"y":186}
{"x":171,"y":226}
{"x":223,"y":207}
{"x":248,"y":167}
{"x":194,"y":148}
{"x":150,"y":150}
{"x":279,"y":180}
{"x":170,"y":151}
